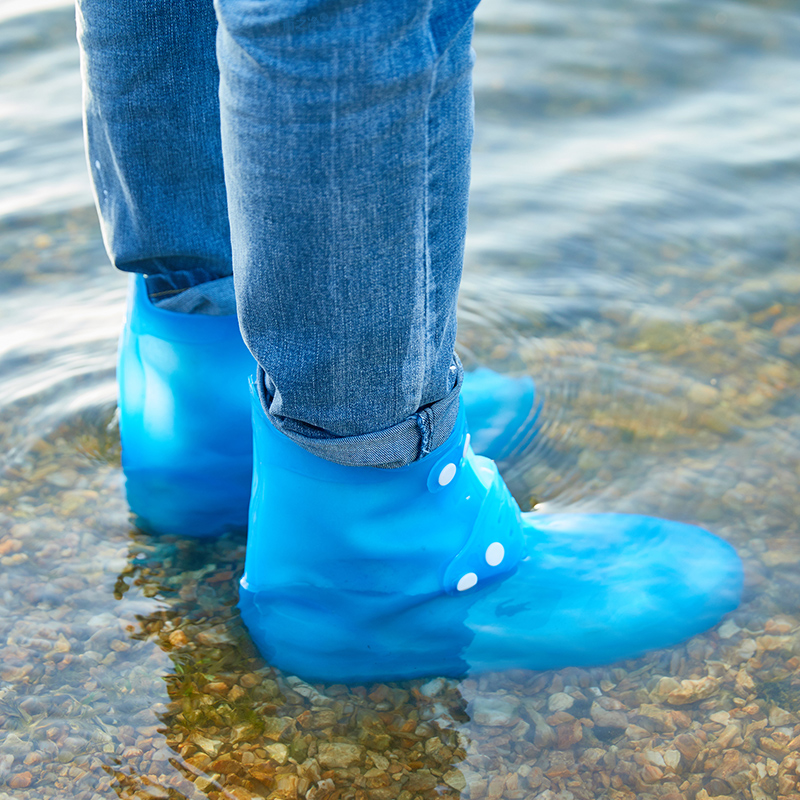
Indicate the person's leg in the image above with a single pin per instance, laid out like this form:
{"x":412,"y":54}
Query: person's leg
{"x":151,"y":115}
{"x":152,"y":130}
{"x":346,"y":132}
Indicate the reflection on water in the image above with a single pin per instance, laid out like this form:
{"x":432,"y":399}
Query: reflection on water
{"x":633,"y":246}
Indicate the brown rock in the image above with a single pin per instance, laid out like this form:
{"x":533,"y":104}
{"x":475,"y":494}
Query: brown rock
{"x":559,"y":718}
{"x":216,"y":687}
{"x":778,"y":717}
{"x":455,"y":779}
{"x":717,"y":787}
{"x":178,"y":639}
{"x":210,"y":746}
{"x":275,"y":728}
{"x":338,"y":754}
{"x":250,"y":679}
{"x":688,"y":745}
{"x":225,"y":766}
{"x":608,"y":714}
{"x":692,"y":691}
{"x":286,"y":786}
{"x":651,"y":773}
{"x":734,"y":769}
{"x":770,"y":643}
{"x":21,"y":780}
{"x":569,"y":734}
{"x":421,"y":781}
{"x":773,"y":748}
{"x":496,"y":787}
{"x":728,"y":737}
{"x":660,"y":718}
{"x":236,"y":693}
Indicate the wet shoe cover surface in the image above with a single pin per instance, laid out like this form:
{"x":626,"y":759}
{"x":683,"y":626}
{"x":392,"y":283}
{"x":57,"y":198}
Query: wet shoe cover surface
{"x":502,"y":412}
{"x":358,"y":574}
{"x":184,"y":418}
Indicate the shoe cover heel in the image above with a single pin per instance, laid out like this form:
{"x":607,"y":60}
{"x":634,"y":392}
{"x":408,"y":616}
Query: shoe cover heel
{"x":184,"y":418}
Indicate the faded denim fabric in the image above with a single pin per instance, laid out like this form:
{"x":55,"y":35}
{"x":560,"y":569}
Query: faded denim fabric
{"x":330,"y":174}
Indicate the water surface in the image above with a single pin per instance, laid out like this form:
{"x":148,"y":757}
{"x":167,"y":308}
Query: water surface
{"x":633,"y":245}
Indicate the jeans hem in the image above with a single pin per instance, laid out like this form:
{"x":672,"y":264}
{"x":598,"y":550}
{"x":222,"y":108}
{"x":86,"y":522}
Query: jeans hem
{"x":409,"y":440}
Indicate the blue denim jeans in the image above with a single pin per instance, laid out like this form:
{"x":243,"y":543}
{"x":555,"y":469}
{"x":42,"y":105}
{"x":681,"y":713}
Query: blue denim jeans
{"x":319,"y":151}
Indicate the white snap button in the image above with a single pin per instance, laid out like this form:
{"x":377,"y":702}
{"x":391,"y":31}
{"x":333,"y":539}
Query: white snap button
{"x":466,"y":446}
{"x":447,"y":474}
{"x":495,"y":553}
{"x":467,"y":582}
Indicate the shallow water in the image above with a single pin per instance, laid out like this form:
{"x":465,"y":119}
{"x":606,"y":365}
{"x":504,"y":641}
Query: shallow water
{"x":633,"y":245}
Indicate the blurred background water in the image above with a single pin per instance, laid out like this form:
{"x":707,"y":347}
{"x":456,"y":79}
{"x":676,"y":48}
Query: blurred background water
{"x":633,"y":245}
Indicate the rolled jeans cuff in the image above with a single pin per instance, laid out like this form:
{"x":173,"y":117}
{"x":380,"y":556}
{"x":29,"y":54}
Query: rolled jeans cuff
{"x":407,"y":441}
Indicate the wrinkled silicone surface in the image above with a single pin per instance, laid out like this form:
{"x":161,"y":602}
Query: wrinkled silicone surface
{"x":184,"y":418}
{"x":360,"y":574}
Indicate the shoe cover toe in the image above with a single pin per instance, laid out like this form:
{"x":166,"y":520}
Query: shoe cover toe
{"x":597,"y":588}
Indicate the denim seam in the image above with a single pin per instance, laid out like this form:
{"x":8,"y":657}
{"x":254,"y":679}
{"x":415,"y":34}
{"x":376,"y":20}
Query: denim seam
{"x":425,"y":427}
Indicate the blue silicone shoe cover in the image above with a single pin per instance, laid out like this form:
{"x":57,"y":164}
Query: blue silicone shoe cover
{"x":359,"y":574}
{"x":185,"y":418}
{"x":502,"y":412}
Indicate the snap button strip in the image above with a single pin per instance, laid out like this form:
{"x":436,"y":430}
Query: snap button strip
{"x":495,"y":544}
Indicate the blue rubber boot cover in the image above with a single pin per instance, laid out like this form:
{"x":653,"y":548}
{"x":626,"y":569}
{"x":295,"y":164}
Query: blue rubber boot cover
{"x":502,"y":412}
{"x":357,"y":574}
{"x":185,"y":418}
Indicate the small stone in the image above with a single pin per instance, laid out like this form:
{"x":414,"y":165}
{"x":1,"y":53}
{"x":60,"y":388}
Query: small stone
{"x":279,"y":753}
{"x":286,"y":786}
{"x":560,"y":701}
{"x":703,"y":394}
{"x":16,"y":746}
{"x":495,"y":711}
{"x":789,"y":346}
{"x":178,"y":639}
{"x":455,"y":779}
{"x":276,"y":727}
{"x":693,"y":690}
{"x":663,"y":688}
{"x":569,"y":734}
{"x":544,"y":736}
{"x":63,"y":479}
{"x":213,"y":636}
{"x":22,"y":780}
{"x":434,"y":687}
{"x":225,"y":766}
{"x":208,"y":746}
{"x":607,"y":717}
{"x":688,"y":745}
{"x":338,"y":754}
{"x":780,"y":558}
{"x":772,"y":643}
{"x":728,"y":629}
{"x":778,"y":625}
{"x":779,"y":717}
{"x":236,"y":693}
{"x":744,"y":683}
{"x":651,"y":773}
{"x":250,"y":680}
{"x":672,"y":759}
{"x":716,"y":787}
